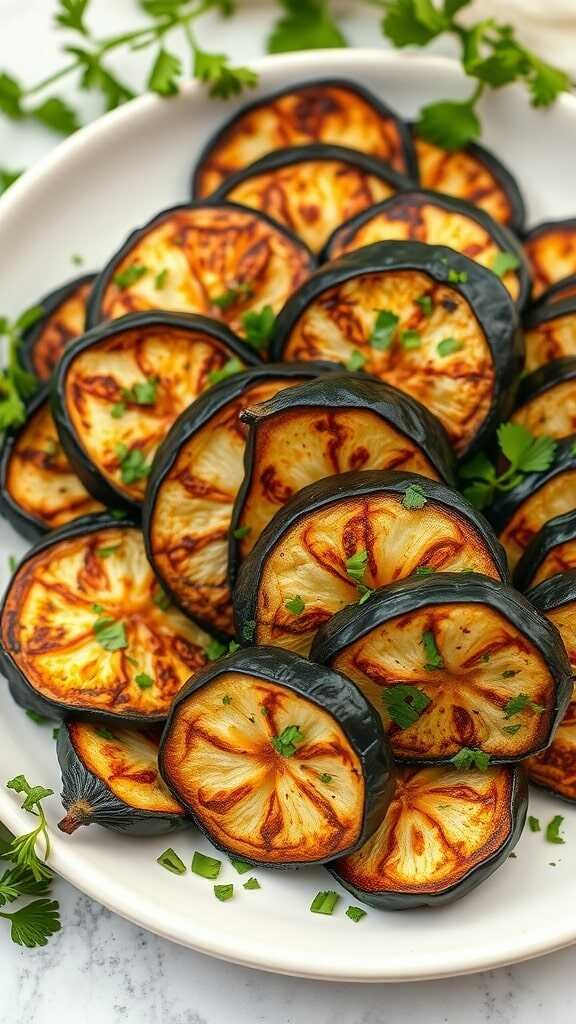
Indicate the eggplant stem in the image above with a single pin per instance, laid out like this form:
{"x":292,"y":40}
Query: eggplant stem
{"x":79,"y":813}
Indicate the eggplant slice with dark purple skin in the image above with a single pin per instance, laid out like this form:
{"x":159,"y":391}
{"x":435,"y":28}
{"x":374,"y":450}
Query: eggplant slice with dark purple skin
{"x":345,"y":535}
{"x":119,"y":389}
{"x":474,"y":174}
{"x":195,"y":477}
{"x":39,"y":490}
{"x":312,"y":189}
{"x":551,"y":551}
{"x":555,"y":768}
{"x":563,"y":289}
{"x":452,"y":661}
{"x":424,"y":318}
{"x":550,"y":333}
{"x":551,"y":251}
{"x":327,"y":426}
{"x":336,"y":112}
{"x":279,"y":761}
{"x":547,"y":399}
{"x":63,"y":321}
{"x":518,"y":514}
{"x":111,"y":778}
{"x":87,"y":633}
{"x":217,"y":259}
{"x":446,"y":831}
{"x":423,"y":216}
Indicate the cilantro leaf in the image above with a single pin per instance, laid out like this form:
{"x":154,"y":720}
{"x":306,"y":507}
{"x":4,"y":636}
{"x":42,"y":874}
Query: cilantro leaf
{"x":305,"y":25}
{"x":165,"y":73}
{"x":449,"y":124}
{"x":224,"y":81}
{"x":412,"y":22}
{"x":468,"y":757}
{"x":546,"y":82}
{"x":404,"y":703}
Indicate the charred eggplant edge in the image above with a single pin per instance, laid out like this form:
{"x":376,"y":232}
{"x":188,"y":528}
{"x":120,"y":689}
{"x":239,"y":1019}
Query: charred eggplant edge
{"x":26,"y":525}
{"x":555,"y":531}
{"x":49,"y":304}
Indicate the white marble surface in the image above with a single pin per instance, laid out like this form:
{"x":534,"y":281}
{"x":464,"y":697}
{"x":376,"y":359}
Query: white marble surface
{"x":102,"y":967}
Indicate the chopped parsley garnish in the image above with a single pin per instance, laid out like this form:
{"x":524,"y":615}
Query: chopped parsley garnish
{"x":534,"y":824}
{"x":241,"y":531}
{"x":13,"y":563}
{"x":226,"y":699}
{"x":232,"y":295}
{"x":356,"y":360}
{"x":160,"y":279}
{"x":228,"y":370}
{"x":426,"y":304}
{"x":143,"y":680}
{"x":36,"y":717}
{"x":468,"y":757}
{"x":118,"y":410}
{"x":324,"y":902}
{"x":106,"y":552}
{"x":509,"y":673}
{"x":110,"y":634}
{"x":448,"y":346}
{"x":128,"y":277}
{"x":240,"y":865}
{"x":142,"y":393}
{"x":161,"y":599}
{"x":410,"y":340}
{"x":105,"y":734}
{"x":224,"y":892}
{"x":553,"y":830}
{"x":288,"y":741}
{"x":259,"y":327}
{"x":56,"y":732}
{"x":384,"y":330}
{"x":215,"y":650}
{"x":326,"y":779}
{"x":356,"y":565}
{"x":423,"y":570}
{"x":233,"y":647}
{"x":295,"y":605}
{"x":355,"y":913}
{"x":511,"y":729}
{"x":206,"y":867}
{"x":252,"y":883}
{"x":404,"y":703}
{"x":504,"y":262}
{"x":171,"y":861}
{"x":414,"y":497}
{"x":521,"y":702}
{"x":133,"y":465}
{"x":457,"y":276}
{"x":434,"y":659}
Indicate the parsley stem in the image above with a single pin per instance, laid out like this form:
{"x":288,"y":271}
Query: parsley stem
{"x":67,"y":70}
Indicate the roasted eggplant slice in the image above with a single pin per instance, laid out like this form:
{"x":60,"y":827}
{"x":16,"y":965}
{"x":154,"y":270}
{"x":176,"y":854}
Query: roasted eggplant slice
{"x":111,"y":778}
{"x":327,"y":426}
{"x":452,"y":661}
{"x":555,"y":768}
{"x":195,"y":478}
{"x":550,"y":333}
{"x":473,"y":174}
{"x":551,"y":250}
{"x":337,"y":112}
{"x":87,"y":632}
{"x":445,"y":832}
{"x":424,"y":318}
{"x":518,"y":514}
{"x":424,"y":216}
{"x":64,"y":320}
{"x":118,"y":390}
{"x":551,"y":551}
{"x":563,"y":289}
{"x":278,"y":760}
{"x":39,"y":490}
{"x":217,"y":259}
{"x":312,"y":189}
{"x":547,"y":399}
{"x":341,"y":537}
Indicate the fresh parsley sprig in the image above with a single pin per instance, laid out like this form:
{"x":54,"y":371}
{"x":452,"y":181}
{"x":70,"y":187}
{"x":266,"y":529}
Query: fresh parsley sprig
{"x":525,"y":454}
{"x":16,"y":384}
{"x":33,"y":923}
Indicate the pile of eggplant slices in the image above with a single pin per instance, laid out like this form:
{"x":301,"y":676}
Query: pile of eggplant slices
{"x":256,"y":600}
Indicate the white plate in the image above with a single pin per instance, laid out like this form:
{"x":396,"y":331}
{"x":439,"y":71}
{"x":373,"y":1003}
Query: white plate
{"x":84,"y":198}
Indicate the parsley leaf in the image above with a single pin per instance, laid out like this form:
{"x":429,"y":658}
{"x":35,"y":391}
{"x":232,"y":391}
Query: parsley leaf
{"x":289,"y":739}
{"x":410,"y":340}
{"x":448,"y":346}
{"x":33,"y":924}
{"x":56,"y":114}
{"x":71,"y":15}
{"x":228,"y":370}
{"x":259,"y":327}
{"x":356,"y":565}
{"x":133,"y":466}
{"x":414,"y":497}
{"x":142,"y":393}
{"x":526,"y":453}
{"x":215,"y":650}
{"x":503,"y":262}
{"x":295,"y":605}
{"x":449,"y":124}
{"x":384,"y":330}
{"x":144,"y":681}
{"x":404,"y":703}
{"x":356,"y":360}
{"x":223,"y":81}
{"x":165,"y":74}
{"x":434,"y":659}
{"x":521,"y":702}
{"x":305,"y":25}
{"x":412,"y":23}
{"x":110,"y":634}
{"x":128,"y":277}
{"x":553,"y":830}
{"x":7,"y":178}
{"x":468,"y":757}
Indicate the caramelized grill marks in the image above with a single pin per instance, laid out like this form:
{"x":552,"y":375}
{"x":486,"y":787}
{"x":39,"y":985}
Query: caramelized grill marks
{"x":552,"y":339}
{"x":440,"y":825}
{"x":562,"y":558}
{"x":316,"y":113}
{"x":458,"y":388}
{"x":55,"y":333}
{"x":220,"y":757}
{"x":310,"y":560}
{"x":39,"y":478}
{"x":552,"y":254}
{"x":552,"y":412}
{"x":486,"y":661}
{"x":554,"y":498}
{"x":49,"y":616}
{"x":463,"y":175}
{"x":206,"y":252}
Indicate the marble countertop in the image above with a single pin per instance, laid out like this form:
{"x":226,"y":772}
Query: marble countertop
{"x":100,"y":965}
